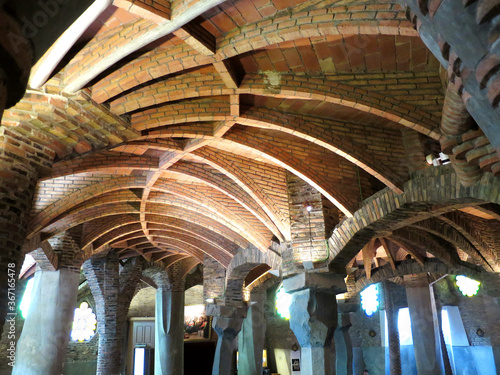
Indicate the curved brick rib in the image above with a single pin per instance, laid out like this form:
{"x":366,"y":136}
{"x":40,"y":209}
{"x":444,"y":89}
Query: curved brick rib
{"x":387,"y":211}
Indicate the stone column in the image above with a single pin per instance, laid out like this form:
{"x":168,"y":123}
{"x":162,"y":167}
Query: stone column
{"x":252,"y":337}
{"x":424,"y":326}
{"x":113,"y":290}
{"x":169,"y":320}
{"x":343,"y":346}
{"x":44,"y":339}
{"x":18,"y":175}
{"x":391,"y":313}
{"x":42,"y":346}
{"x":227,"y":322}
{"x":313,"y":317}
{"x":491,"y":300}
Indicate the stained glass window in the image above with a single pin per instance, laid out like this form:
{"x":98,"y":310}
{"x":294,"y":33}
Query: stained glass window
{"x":84,"y":323}
{"x":468,"y":287}
{"x":369,"y":299}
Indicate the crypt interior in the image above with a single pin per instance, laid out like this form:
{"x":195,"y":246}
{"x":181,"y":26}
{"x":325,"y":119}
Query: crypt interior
{"x":249,"y":186}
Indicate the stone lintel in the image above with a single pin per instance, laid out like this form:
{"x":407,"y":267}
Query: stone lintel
{"x":330,"y":281}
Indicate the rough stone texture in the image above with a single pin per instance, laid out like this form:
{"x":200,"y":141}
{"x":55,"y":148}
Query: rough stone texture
{"x":343,"y":346}
{"x":113,"y":290}
{"x":227,"y":330}
{"x":424,"y":328}
{"x":252,"y":337}
{"x":313,"y":319}
{"x":42,"y":346}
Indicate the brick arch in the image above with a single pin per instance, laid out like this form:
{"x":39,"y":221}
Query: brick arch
{"x":113,"y":162}
{"x":432,"y":192}
{"x":280,"y":149}
{"x":71,"y":200}
{"x":247,"y":191}
{"x":119,"y":229}
{"x":239,"y":41}
{"x":231,"y":186}
{"x":241,"y":264}
{"x":412,"y":267}
{"x":307,"y":88}
{"x":332,"y":140}
{"x":287,"y":86}
{"x":68,"y":208}
{"x":451,"y":234}
{"x":298,"y":24}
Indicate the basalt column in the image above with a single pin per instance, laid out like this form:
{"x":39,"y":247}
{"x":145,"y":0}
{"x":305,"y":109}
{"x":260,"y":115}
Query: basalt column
{"x":169,"y":320}
{"x":252,"y":337}
{"x":313,"y":318}
{"x":19,"y":162}
{"x":424,"y":325}
{"x":42,"y":346}
{"x":113,"y":287}
{"x":226,"y":323}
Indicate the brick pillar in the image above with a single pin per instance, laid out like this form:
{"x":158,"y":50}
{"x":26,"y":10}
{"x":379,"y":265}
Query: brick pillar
{"x":18,"y":170}
{"x":227,"y":322}
{"x":424,"y":325}
{"x":391,"y":312}
{"x":307,"y":221}
{"x":113,"y":289}
{"x":313,"y":318}
{"x":214,"y":279}
{"x":414,"y":150}
{"x":169,"y":320}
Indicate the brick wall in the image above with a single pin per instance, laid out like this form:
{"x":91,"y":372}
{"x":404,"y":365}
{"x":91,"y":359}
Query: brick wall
{"x":214,"y":279}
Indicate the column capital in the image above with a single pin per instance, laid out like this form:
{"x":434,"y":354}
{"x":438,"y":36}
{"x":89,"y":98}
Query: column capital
{"x":326,"y":281}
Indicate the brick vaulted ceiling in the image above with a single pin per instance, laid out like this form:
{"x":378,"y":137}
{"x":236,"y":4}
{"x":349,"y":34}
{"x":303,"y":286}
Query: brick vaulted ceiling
{"x":175,"y":124}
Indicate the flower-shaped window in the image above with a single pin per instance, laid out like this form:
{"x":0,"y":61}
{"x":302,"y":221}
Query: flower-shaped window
{"x":84,"y":323}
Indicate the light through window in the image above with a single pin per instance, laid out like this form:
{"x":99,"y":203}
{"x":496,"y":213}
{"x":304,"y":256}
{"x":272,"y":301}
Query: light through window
{"x":468,"y":287}
{"x":84,"y":323}
{"x":283,"y":302}
{"x":369,"y":299}
{"x":25,"y":302}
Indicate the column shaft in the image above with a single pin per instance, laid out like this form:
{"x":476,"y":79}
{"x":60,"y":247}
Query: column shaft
{"x":42,"y":347}
{"x":391,"y":313}
{"x":313,"y":320}
{"x":425,"y":331}
{"x":252,"y":337}
{"x":169,"y":332}
{"x":227,"y":329}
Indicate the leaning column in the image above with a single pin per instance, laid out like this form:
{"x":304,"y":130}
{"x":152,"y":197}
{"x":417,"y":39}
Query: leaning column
{"x":313,"y":317}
